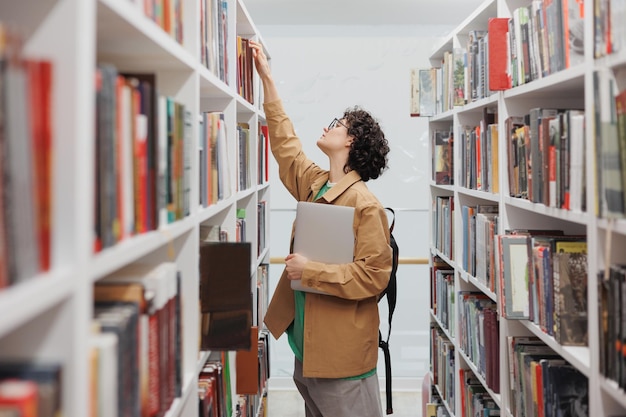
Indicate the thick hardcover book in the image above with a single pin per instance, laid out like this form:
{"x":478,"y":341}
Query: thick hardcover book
{"x":570,"y":287}
{"x":515,"y":268}
{"x":225,"y":295}
{"x":122,"y":318}
{"x":499,"y":76}
{"x":247,"y":365}
{"x":442,"y":156}
{"x":569,"y":389}
{"x":105,"y":377}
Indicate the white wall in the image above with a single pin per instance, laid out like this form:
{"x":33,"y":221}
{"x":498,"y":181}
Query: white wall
{"x":320,"y":71}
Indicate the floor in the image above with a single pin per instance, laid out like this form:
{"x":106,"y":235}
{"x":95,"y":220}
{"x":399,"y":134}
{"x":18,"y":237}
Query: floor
{"x":288,"y":403}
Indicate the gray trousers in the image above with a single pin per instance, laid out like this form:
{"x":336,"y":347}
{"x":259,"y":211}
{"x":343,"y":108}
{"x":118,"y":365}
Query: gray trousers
{"x":326,"y":397}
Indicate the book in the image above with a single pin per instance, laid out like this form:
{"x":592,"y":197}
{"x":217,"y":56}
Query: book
{"x":247,"y":365}
{"x":459,"y":56}
{"x":573,"y":32}
{"x":20,"y":395}
{"x":225,"y":295}
{"x":514,"y":276}
{"x":610,"y":197}
{"x":123,"y":319}
{"x":620,"y":113}
{"x":570,"y":391}
{"x":499,"y":75}
{"x":105,"y":344}
{"x":442,"y":156}
{"x":47,"y":376}
{"x":427,"y":92}
{"x":18,"y":175}
{"x":570,"y":284}
{"x":40,"y":75}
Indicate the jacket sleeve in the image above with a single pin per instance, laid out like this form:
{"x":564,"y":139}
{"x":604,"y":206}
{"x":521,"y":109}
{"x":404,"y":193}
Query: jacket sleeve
{"x":368,"y":275}
{"x":296,"y":171}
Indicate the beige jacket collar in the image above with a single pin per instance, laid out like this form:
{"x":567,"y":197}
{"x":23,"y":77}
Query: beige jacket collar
{"x":346,"y":182}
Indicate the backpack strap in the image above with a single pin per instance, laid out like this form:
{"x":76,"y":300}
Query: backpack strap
{"x":391,"y":293}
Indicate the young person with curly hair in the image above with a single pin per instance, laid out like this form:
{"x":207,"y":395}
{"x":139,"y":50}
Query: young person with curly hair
{"x":334,"y":337}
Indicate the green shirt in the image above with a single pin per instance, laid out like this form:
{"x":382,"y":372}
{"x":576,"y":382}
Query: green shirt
{"x":295,"y":331}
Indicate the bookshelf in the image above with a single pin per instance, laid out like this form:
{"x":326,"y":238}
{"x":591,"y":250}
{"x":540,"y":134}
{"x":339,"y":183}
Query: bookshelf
{"x":193,"y":57}
{"x":459,"y":251}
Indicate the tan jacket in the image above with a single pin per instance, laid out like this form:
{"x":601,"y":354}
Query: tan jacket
{"x":341,"y":331}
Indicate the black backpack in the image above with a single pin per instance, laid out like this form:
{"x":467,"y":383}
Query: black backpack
{"x":391,"y":293}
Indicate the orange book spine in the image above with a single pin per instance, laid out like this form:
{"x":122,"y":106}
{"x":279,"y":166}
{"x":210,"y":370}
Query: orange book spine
{"x":140,"y":163}
{"x":499,"y":76}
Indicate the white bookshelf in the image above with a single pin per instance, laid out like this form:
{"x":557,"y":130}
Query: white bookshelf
{"x":48,"y":317}
{"x":569,"y":88}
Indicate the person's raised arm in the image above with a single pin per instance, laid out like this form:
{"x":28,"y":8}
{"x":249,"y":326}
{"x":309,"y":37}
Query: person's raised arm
{"x":263,"y":69}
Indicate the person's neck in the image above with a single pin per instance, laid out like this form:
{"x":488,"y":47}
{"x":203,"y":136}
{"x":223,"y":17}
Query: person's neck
{"x":336,"y":172}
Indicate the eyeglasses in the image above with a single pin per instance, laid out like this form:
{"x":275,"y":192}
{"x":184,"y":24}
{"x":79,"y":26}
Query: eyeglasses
{"x":334,"y":123}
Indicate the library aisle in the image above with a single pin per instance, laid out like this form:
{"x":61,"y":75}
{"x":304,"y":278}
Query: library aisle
{"x":289,"y":403}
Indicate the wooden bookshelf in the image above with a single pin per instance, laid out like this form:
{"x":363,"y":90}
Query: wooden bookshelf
{"x":47,"y":317}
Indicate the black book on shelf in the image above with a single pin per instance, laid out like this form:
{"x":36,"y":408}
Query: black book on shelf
{"x":225,"y":295}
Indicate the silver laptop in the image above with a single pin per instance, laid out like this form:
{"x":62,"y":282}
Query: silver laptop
{"x":323,"y":233}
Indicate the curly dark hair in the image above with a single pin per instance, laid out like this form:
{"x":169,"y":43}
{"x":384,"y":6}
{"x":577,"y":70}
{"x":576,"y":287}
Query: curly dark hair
{"x":369,"y":149}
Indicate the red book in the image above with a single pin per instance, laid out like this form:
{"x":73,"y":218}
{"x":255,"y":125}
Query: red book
{"x":499,"y":77}
{"x":40,"y":79}
{"x":21,"y":395}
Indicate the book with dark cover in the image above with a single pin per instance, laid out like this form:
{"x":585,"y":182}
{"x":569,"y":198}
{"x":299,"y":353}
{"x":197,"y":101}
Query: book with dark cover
{"x":570,"y":270}
{"x":570,"y":392}
{"x":225,"y":295}
{"x":442,"y":156}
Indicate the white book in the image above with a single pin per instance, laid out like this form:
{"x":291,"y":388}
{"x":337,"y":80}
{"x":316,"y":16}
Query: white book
{"x":107,"y":379}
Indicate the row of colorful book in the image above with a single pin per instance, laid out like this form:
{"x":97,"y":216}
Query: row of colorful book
{"x":442,"y":360}
{"x":26,"y":162}
{"x":542,"y":382}
{"x":136,"y":341}
{"x":442,"y":297}
{"x":442,"y":225}
{"x":545,"y":151}
{"x":142,"y":164}
{"x":214,"y":37}
{"x":248,"y":398}
{"x":554,"y":293}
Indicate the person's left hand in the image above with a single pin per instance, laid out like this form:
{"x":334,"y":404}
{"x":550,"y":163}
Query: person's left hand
{"x":295,"y":265}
